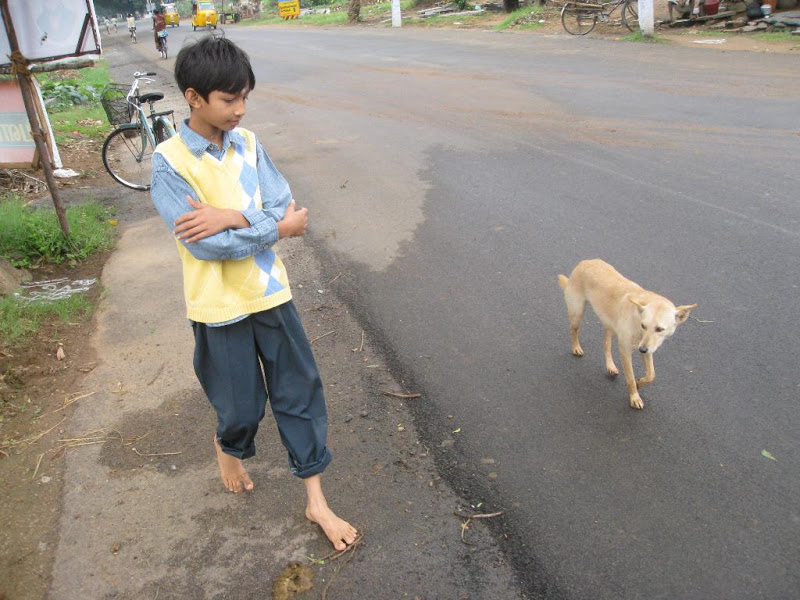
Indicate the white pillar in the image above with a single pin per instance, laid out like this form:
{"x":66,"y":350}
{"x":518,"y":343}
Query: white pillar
{"x":397,"y":18}
{"x":646,"y":17}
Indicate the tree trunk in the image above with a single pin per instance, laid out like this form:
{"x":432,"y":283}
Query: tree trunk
{"x":510,"y":5}
{"x":354,"y":11}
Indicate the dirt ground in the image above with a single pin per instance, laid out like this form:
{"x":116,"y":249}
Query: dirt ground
{"x":37,"y":390}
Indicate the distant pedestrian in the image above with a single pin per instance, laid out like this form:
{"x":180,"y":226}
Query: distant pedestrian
{"x":227,"y":204}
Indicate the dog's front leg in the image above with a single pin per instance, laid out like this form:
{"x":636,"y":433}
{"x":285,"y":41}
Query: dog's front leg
{"x":630,"y":380}
{"x":649,"y":371}
{"x":611,"y":368}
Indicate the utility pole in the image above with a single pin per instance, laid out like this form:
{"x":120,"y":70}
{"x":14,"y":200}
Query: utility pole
{"x":397,"y":16}
{"x":646,"y":17}
{"x":19,"y":66}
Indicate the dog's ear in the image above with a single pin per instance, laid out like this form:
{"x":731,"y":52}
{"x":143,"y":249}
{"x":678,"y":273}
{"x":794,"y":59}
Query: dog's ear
{"x":639,"y":302}
{"x":682,"y":312}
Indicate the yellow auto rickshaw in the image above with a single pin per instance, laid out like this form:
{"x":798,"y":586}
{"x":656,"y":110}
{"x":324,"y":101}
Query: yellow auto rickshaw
{"x":171,"y":16}
{"x":204,"y":14}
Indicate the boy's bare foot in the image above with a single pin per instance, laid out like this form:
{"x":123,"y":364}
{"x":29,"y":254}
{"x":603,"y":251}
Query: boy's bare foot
{"x":339,"y":532}
{"x":231,"y":471}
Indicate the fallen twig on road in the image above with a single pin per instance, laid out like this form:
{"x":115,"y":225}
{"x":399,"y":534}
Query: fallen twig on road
{"x":464,"y":527}
{"x":396,"y":395}
{"x":68,"y":401}
{"x":30,"y":440}
{"x":465,"y":524}
{"x":155,"y":453}
{"x":478,"y":515}
{"x":339,"y":553}
{"x":38,"y":463}
{"x":322,"y":336}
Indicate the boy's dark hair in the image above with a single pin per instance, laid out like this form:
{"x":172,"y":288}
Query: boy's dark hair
{"x":213,"y":64}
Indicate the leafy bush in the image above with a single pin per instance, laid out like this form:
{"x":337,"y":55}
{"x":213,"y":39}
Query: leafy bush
{"x":33,"y":236}
{"x":61,"y":95}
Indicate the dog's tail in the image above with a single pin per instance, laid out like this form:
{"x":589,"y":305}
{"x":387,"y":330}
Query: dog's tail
{"x":563,"y":280}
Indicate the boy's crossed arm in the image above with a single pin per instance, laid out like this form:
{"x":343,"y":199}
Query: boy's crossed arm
{"x":206,"y":220}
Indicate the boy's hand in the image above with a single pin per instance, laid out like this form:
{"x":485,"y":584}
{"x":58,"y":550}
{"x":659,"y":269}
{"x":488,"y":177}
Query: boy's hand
{"x":294,"y":222}
{"x":206,"y":220}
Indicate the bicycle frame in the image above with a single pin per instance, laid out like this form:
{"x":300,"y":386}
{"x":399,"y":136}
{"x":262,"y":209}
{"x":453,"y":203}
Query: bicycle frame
{"x":143,"y":118}
{"x":131,"y":139}
{"x":600,"y":7}
{"x":580,"y":18}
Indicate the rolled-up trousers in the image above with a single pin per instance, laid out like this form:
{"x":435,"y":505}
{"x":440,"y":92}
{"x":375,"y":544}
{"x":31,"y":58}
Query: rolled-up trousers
{"x":265,"y":357}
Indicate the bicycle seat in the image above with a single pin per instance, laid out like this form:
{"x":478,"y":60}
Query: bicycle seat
{"x":151,"y":97}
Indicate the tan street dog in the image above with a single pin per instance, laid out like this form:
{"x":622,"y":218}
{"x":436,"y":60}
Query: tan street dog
{"x":639,"y":318}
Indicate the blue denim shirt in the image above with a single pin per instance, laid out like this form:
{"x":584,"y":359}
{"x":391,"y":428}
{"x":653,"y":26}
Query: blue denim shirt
{"x":169,"y":191}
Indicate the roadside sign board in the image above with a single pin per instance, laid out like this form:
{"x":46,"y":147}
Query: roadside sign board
{"x":17,"y":149}
{"x":51,"y":30}
{"x":289,"y":10}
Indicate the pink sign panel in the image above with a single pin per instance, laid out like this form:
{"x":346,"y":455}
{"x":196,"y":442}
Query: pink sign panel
{"x":17,"y":148}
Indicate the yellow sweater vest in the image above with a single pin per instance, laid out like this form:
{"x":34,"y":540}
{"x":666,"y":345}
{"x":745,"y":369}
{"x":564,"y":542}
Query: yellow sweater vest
{"x":221,"y":290}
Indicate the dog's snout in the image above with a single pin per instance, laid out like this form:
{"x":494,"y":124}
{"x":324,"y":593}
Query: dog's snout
{"x":643,"y":349}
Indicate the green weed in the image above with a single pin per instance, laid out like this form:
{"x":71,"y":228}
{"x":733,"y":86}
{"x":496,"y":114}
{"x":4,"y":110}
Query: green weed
{"x":776,"y":36}
{"x":73,"y":102}
{"x":639,"y":37}
{"x":19,"y":319}
{"x":30,"y":236}
{"x":524,"y":18}
{"x":62,"y":91}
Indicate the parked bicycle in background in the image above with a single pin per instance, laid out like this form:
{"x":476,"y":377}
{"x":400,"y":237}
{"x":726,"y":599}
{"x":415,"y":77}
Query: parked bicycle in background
{"x":579,"y":18}
{"x":128,"y":150}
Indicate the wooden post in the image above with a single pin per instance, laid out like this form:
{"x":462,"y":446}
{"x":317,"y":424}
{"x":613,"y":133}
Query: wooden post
{"x":19,"y":66}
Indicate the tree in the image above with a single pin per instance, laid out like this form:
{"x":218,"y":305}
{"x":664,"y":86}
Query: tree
{"x":354,"y":11}
{"x":114,"y":7}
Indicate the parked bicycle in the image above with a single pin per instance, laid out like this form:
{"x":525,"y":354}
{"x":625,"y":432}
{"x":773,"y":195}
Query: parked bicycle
{"x":128,"y":150}
{"x":579,"y":18}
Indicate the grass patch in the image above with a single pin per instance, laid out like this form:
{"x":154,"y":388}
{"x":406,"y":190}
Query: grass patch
{"x":524,"y":18}
{"x":712,"y":33}
{"x":30,"y":237}
{"x":767,"y":36}
{"x":775,"y":36}
{"x":639,"y":37}
{"x":439,"y":20}
{"x":73,"y":102}
{"x":338,"y":17}
{"x":89,"y":121}
{"x":19,"y":320}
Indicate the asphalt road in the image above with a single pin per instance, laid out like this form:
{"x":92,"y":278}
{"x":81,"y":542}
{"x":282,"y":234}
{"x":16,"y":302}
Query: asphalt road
{"x":451,"y":176}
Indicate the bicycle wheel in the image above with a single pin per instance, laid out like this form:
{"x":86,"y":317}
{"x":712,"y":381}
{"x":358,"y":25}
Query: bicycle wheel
{"x":578,"y":20}
{"x":630,"y":15}
{"x":160,"y":131}
{"x":128,"y":157}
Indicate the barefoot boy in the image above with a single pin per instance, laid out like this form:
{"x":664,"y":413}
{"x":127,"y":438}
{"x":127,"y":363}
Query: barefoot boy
{"x":226,"y":204}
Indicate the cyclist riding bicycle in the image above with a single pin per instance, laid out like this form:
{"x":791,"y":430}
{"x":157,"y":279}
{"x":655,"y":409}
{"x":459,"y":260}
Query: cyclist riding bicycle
{"x":159,"y":25}
{"x":131,"y":25}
